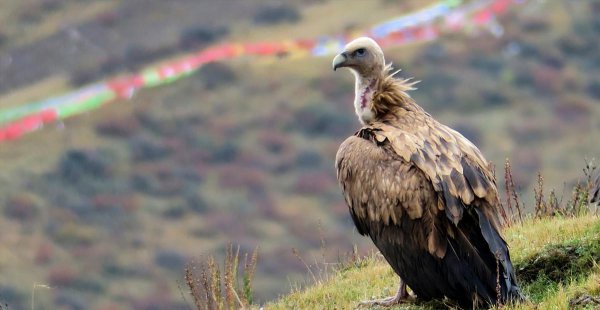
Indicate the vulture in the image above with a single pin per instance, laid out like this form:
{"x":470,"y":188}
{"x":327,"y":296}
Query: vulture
{"x":421,"y":191}
{"x":595,"y":192}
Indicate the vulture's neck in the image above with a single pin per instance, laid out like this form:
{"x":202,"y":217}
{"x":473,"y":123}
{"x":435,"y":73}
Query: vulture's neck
{"x":381,"y":96}
{"x":363,"y":97}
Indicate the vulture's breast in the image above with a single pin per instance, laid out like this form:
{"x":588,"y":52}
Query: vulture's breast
{"x":379,"y":186}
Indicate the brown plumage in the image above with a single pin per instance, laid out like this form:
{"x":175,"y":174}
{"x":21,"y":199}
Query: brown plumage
{"x":595,"y":191}
{"x":424,"y":193}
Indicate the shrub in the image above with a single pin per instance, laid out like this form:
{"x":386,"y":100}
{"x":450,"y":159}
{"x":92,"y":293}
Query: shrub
{"x":225,"y":153}
{"x":573,"y":45}
{"x":308,"y":159}
{"x":31,"y":14}
{"x":67,"y":299}
{"x":119,"y":127}
{"x":593,"y":89}
{"x":137,"y":56}
{"x":61,"y":276}
{"x":83,"y":76}
{"x":216,"y":74}
{"x":51,"y":5}
{"x":441,"y":79}
{"x":547,"y":79}
{"x":174,"y":211}
{"x":3,"y":38}
{"x":494,"y":98}
{"x":107,"y":18}
{"x":169,"y":259}
{"x":159,"y":180}
{"x":23,"y":206}
{"x":573,"y":110}
{"x":322,"y":119}
{"x":534,"y":24}
{"x":235,"y":176}
{"x":85,"y":283}
{"x":195,"y":201}
{"x":195,"y":37}
{"x":434,"y":53}
{"x":314,"y":182}
{"x":276,"y":14}
{"x":469,"y":131}
{"x":44,"y":253}
{"x":523,"y":77}
{"x":76,"y":165}
{"x":529,"y":50}
{"x":485,"y":63}
{"x":553,"y":58}
{"x":526,"y":133}
{"x":107,"y":202}
{"x":147,"y":149}
{"x":152,"y":123}
{"x":73,"y":234}
{"x":273,"y":141}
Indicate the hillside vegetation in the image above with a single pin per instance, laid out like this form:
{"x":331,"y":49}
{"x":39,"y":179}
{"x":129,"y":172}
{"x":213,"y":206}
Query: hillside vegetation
{"x":108,"y":208}
{"x":556,"y":261}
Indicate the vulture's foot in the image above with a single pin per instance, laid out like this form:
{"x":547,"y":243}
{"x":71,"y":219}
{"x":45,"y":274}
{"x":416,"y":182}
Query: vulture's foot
{"x":401,"y":296}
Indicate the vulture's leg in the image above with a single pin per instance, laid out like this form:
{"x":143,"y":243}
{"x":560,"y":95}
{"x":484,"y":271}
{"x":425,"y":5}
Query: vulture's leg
{"x":401,"y":296}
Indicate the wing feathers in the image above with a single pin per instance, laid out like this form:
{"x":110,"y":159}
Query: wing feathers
{"x":454,"y":208}
{"x":476,"y":180}
{"x":500,"y":249}
{"x":465,"y":192}
{"x":453,"y":165}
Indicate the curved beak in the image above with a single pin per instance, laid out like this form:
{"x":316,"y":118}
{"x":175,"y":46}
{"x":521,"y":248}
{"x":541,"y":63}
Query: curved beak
{"x":339,"y":61}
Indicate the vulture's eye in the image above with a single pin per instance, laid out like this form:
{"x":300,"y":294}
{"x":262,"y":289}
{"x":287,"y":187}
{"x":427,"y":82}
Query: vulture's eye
{"x":360,"y":52}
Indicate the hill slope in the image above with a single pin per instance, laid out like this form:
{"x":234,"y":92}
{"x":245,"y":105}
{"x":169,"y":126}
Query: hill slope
{"x":108,"y":207}
{"x":556,"y":261}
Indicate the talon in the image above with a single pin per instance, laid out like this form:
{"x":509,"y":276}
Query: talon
{"x":401,"y":296}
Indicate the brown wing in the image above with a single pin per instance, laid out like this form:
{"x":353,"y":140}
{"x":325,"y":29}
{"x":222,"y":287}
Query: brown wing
{"x":454,"y":166}
{"x":595,"y":192}
{"x":415,"y":167}
{"x":379,"y":186}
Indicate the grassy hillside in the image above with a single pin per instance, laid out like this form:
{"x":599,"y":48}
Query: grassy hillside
{"x":556,"y":261}
{"x":107,"y":208}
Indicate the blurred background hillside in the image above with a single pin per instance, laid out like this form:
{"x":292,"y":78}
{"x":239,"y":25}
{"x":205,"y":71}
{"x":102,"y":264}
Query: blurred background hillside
{"x":107,"y":207}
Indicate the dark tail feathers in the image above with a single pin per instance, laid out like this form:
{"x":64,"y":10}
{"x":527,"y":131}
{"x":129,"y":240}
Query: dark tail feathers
{"x":508,"y":282}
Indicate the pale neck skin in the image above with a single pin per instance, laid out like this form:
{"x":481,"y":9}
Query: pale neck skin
{"x":364,"y":87}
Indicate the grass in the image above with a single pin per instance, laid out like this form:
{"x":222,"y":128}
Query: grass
{"x":372,"y":277}
{"x":212,"y":288}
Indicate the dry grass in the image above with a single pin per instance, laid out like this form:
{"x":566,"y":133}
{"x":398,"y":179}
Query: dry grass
{"x":214,"y":289}
{"x":577,"y":204}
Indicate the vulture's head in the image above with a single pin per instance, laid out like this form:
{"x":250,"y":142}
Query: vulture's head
{"x":363,"y":57}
